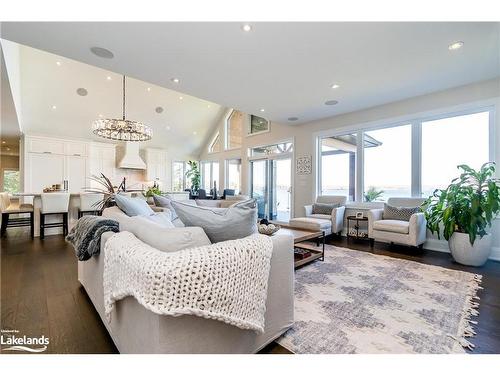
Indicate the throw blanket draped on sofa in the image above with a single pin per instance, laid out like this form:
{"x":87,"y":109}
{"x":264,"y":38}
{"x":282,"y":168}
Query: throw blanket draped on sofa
{"x":85,"y":236}
{"x":226,"y":281}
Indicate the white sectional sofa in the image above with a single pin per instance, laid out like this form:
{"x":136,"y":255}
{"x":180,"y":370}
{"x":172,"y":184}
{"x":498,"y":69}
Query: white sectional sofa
{"x":135,"y":329}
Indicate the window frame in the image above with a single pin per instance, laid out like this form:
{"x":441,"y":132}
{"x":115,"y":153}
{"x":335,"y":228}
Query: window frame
{"x":210,"y":145}
{"x":226,"y":173}
{"x":202,"y":172}
{"x":416,"y":142}
{"x":184,"y":170}
{"x":226,"y":132}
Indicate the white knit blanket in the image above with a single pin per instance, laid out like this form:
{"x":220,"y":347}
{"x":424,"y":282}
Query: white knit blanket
{"x":226,"y":281}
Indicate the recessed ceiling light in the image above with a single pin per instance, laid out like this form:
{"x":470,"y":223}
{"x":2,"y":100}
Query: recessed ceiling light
{"x":293,"y":118}
{"x":175,"y":80}
{"x":58,"y":63}
{"x":108,"y":78}
{"x":102,"y":52}
{"x":159,"y":109}
{"x":54,"y":107}
{"x":101,"y":116}
{"x":331,"y":102}
{"x":335,"y":86}
{"x":4,"y":142}
{"x":195,"y":133}
{"x":262,"y":110}
{"x":167,"y":127}
{"x":455,"y":45}
{"x":8,"y":149}
{"x":180,"y":97}
{"x":208,"y":106}
{"x":82,"y":91}
{"x":149,"y":89}
{"x":246,"y":27}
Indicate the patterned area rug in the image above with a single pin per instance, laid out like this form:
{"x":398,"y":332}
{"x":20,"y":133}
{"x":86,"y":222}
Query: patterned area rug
{"x":357,"y":302}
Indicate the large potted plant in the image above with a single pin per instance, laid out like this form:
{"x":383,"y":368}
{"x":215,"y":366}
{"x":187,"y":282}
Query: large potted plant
{"x":464,"y":212}
{"x":194,"y":174}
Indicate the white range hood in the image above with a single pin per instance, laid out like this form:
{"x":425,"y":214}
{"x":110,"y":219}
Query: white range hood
{"x":131,"y":158}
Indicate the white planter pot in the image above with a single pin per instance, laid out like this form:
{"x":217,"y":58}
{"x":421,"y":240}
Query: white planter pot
{"x":464,"y":253}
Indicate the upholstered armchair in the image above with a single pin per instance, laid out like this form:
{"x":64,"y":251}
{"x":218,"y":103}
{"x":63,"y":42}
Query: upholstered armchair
{"x":337,"y":215}
{"x":411,"y":233}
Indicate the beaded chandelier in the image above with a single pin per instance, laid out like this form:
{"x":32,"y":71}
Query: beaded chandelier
{"x":122,"y":129}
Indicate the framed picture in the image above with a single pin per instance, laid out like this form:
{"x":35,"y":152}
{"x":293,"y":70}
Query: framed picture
{"x":303,"y":165}
{"x":359,"y":215}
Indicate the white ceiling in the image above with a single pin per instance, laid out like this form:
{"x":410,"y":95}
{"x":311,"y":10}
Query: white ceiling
{"x":45,"y":84}
{"x":285,"y":68}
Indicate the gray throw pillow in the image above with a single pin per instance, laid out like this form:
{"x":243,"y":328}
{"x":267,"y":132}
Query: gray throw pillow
{"x":398,"y":213}
{"x":324,"y":208}
{"x":133,"y":206}
{"x":220,"y":224}
{"x":160,"y":218}
{"x":165,"y":202}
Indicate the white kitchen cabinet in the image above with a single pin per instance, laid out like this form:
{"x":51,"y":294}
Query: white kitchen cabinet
{"x":43,"y":170}
{"x":75,"y":148}
{"x":45,"y":145}
{"x":76,"y":173}
{"x":158,"y":167}
{"x":102,"y":159}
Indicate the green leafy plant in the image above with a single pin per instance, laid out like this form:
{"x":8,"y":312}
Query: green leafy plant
{"x":194,"y":175}
{"x":467,"y":205}
{"x":105,"y":187}
{"x":152,"y":190}
{"x":373,"y":194}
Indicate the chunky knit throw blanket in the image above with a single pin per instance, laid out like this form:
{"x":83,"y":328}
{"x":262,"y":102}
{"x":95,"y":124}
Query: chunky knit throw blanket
{"x":85,"y":236}
{"x":225,"y":281}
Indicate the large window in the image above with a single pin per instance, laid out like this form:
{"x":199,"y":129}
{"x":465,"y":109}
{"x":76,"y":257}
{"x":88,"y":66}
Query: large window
{"x":338,"y":165}
{"x":387,"y":168}
{"x":278,"y":148}
{"x":411,"y":159}
{"x":215,"y":145}
{"x":11,"y":182}
{"x":209,"y":175}
{"x":233,"y":175}
{"x":234,"y":129}
{"x":179,"y":175}
{"x":449,"y":142}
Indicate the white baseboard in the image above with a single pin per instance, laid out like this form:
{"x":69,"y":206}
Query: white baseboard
{"x":442,"y":246}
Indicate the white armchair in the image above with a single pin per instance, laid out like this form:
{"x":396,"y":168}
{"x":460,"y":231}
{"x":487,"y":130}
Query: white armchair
{"x":412,"y":233}
{"x":337,"y":215}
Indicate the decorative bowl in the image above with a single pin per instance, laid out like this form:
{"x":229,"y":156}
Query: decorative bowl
{"x":268,"y":229}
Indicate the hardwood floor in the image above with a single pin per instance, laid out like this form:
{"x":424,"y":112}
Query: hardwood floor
{"x":40,"y":294}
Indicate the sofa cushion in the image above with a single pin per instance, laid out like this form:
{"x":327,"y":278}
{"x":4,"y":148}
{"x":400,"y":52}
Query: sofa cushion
{"x":165,"y":202}
{"x":324,"y":208}
{"x":163,"y":219}
{"x":395,"y":226}
{"x":164,"y":239}
{"x":221,"y":224}
{"x":133,"y":206}
{"x":311,"y":223}
{"x":321,"y":216}
{"x":399,"y":213}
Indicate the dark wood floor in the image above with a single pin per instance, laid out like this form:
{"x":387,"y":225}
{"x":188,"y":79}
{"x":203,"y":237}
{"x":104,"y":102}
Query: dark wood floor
{"x":40,"y":294}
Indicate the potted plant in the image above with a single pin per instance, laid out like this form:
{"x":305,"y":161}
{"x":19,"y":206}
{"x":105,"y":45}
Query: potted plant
{"x":464,"y":211}
{"x":373,"y":194}
{"x":194,"y":174}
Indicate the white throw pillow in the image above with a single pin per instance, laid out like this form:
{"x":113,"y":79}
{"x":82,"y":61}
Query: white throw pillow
{"x":164,"y":239}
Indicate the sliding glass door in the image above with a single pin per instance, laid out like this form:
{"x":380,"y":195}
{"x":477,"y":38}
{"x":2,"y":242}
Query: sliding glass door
{"x":272,"y":187}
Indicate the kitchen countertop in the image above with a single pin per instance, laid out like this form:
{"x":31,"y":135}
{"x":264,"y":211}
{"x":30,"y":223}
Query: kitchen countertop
{"x":39,"y":194}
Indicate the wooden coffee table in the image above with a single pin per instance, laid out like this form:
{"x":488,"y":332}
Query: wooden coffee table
{"x":300,"y":235}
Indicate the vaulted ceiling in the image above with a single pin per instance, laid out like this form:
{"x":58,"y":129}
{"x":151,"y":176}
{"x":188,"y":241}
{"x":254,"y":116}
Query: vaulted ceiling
{"x":285,"y":69}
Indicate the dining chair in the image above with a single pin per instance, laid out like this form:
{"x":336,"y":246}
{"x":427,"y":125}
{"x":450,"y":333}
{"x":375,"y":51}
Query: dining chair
{"x":8,"y":208}
{"x":89,"y":204}
{"x":54,"y":204}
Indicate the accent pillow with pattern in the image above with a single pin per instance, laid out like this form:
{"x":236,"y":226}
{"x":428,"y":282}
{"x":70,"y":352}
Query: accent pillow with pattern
{"x":324,"y":208}
{"x":398,"y":213}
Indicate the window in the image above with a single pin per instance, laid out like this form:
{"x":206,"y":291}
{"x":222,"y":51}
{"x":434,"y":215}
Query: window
{"x":387,"y":169}
{"x":11,"y":182}
{"x":258,"y":124}
{"x":210,"y":174}
{"x":278,"y":148}
{"x":179,"y":175}
{"x":338,"y":165}
{"x":234,"y":129}
{"x":233,"y":175}
{"x":411,"y":159}
{"x":449,"y":142}
{"x":215,"y":145}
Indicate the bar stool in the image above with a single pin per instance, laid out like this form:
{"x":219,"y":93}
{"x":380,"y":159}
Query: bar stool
{"x":54,"y":204}
{"x":7,"y":209}
{"x":89,"y":204}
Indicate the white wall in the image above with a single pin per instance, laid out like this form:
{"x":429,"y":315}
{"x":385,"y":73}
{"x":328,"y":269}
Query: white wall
{"x":304,"y":135}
